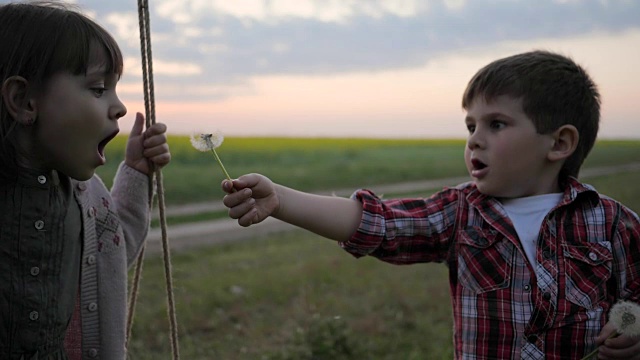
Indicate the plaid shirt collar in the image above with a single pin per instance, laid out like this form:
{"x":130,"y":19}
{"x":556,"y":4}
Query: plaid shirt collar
{"x":572,"y":190}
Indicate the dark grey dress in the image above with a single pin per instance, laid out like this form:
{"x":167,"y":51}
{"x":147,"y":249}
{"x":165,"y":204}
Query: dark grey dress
{"x":40,"y":252}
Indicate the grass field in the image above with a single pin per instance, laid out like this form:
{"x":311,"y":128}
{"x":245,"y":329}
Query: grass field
{"x":298,"y":296}
{"x":322,"y":164}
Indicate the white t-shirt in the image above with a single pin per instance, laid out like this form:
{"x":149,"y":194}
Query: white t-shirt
{"x":527,"y":214}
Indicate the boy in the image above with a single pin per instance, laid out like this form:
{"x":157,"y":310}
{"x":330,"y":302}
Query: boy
{"x":536,"y":258}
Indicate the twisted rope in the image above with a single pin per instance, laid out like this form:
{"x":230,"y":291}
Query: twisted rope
{"x":150,"y":118}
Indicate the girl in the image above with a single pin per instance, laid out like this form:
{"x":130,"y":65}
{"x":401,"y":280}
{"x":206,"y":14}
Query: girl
{"x":65,"y":241}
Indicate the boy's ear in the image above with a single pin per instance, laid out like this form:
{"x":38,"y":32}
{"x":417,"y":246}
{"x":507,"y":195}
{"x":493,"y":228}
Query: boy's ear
{"x":565,"y":143}
{"x":19,"y":103}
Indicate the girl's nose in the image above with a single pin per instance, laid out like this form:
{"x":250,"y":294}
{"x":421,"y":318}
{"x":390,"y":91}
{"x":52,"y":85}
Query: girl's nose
{"x":118,"y":110}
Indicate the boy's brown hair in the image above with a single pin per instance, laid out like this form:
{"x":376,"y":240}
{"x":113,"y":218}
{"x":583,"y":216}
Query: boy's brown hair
{"x":555,"y":91}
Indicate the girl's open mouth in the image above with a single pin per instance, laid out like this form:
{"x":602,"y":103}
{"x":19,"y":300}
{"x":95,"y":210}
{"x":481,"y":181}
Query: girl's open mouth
{"x":104,"y":142}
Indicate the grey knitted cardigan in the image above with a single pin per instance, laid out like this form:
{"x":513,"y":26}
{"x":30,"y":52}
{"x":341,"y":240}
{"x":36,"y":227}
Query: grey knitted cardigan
{"x":115,"y":225}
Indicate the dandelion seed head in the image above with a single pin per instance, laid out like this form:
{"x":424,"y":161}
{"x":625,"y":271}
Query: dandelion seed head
{"x":625,"y":316}
{"x":206,"y":142}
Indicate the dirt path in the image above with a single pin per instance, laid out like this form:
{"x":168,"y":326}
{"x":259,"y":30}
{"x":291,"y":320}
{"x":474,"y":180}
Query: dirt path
{"x":187,"y":236}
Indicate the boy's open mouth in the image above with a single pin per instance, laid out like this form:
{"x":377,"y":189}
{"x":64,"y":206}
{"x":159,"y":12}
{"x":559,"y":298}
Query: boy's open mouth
{"x":477,"y":164}
{"x":105,"y":141}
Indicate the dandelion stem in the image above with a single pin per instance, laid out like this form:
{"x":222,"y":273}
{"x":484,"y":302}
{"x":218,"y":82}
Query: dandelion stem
{"x":594,"y":352}
{"x":591,"y":354}
{"x":220,"y":163}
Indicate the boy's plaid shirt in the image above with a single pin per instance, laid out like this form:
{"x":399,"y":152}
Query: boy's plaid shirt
{"x":588,"y":257}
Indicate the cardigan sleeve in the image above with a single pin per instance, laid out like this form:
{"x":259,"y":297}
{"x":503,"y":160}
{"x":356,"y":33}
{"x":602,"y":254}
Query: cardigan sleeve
{"x":130,"y":193}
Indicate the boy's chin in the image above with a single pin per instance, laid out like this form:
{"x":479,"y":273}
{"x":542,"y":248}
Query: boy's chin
{"x":499,"y":194}
{"x":489,"y":191}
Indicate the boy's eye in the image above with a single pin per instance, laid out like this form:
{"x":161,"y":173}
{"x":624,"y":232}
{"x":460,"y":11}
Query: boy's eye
{"x":98,"y":91}
{"x":497,"y":124}
{"x":471,"y":128}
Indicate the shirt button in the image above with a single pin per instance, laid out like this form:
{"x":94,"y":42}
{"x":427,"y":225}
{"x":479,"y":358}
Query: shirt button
{"x":546,"y":296}
{"x":546,"y":254}
{"x":532,"y":338}
{"x":527,"y":287}
{"x":33,"y":316}
{"x":91,"y":259}
{"x":92,"y":306}
{"x":93,"y":353}
{"x":593,"y":256}
{"x":91,"y":212}
{"x":42,"y":179}
{"x":39,"y":225}
{"x":35,"y":271}
{"x":82,"y":186}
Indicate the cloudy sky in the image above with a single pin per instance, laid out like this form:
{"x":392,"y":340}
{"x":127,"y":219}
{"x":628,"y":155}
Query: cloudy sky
{"x":375,"y":68}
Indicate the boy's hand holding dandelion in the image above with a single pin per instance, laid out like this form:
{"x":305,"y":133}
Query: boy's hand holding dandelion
{"x":251,"y":198}
{"x":620,"y":337}
{"x":147,"y":150}
{"x":619,"y":347}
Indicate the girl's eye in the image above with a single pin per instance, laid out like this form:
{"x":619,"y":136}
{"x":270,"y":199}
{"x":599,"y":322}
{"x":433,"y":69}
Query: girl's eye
{"x":98,"y":91}
{"x":471,"y":128}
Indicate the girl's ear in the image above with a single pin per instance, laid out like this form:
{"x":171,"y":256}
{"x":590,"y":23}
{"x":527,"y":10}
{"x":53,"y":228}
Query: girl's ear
{"x":20,"y":105}
{"x":565,"y":143}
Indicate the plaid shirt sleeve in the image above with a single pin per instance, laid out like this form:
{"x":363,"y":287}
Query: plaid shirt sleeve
{"x":626,"y":249}
{"x":405,"y":231}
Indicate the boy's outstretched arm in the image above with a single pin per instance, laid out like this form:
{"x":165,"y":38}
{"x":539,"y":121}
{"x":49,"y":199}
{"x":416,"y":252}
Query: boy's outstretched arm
{"x":257,"y":197}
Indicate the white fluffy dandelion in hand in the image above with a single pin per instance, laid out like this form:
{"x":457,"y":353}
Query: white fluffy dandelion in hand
{"x":209,"y":142}
{"x":625,"y":317}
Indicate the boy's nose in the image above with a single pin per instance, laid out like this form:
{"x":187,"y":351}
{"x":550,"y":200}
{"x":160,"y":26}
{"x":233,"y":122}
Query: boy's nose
{"x":475,"y":140}
{"x":472,"y":143}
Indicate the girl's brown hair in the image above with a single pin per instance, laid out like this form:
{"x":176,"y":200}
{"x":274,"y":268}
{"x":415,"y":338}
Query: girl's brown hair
{"x":39,"y":40}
